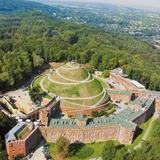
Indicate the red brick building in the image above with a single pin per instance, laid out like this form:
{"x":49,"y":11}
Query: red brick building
{"x":21,"y":147}
{"x":130,"y":85}
{"x":121,"y":127}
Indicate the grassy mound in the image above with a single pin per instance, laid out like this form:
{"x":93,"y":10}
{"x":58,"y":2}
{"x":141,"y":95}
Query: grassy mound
{"x":80,"y":90}
{"x":75,"y":85}
{"x":78,"y":74}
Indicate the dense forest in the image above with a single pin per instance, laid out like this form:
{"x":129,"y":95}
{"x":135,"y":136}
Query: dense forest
{"x":11,"y":6}
{"x":30,"y":40}
{"x":5,"y":125}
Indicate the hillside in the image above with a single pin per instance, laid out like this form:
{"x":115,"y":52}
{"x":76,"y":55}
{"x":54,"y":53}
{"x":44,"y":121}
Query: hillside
{"x":6,"y":124}
{"x":30,"y":40}
{"x":10,"y":6}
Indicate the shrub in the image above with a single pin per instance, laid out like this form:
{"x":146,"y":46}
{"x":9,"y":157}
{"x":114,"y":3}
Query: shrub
{"x":85,"y":152}
{"x":62,"y":146}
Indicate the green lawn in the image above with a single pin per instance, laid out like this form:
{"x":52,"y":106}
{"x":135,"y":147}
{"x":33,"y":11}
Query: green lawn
{"x":87,"y":102}
{"x":80,"y":90}
{"x":52,"y":149}
{"x":37,"y":80}
{"x":97,"y":151}
{"x":96,"y":147}
{"x":103,"y":83}
{"x":93,"y":150}
{"x":112,"y":110}
{"x":155,"y":129}
{"x":48,"y":97}
{"x":75,"y":74}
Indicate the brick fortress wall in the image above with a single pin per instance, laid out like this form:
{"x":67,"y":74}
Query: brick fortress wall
{"x":23,"y":147}
{"x":89,"y":134}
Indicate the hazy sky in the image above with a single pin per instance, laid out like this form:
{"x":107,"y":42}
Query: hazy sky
{"x":145,"y":3}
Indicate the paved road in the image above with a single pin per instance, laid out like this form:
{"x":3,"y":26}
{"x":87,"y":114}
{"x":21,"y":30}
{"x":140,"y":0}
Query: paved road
{"x":38,"y":154}
{"x":155,"y":94}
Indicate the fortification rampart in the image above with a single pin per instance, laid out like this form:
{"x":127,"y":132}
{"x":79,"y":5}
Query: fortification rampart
{"x":21,"y":148}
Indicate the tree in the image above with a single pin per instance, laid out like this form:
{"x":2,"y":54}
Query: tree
{"x":109,"y":151}
{"x":37,"y":60}
{"x":36,"y":94}
{"x":62,"y":146}
{"x":5,"y":125}
{"x":1,"y":142}
{"x":122,"y":154}
{"x":105,"y":73}
{"x":94,"y":114}
{"x":3,"y":155}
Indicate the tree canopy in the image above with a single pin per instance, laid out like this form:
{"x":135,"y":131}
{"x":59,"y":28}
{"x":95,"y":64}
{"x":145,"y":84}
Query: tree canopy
{"x":62,"y":146}
{"x":30,"y":40}
{"x":149,"y":149}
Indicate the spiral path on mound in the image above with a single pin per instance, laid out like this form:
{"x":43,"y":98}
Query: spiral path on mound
{"x":77,"y":104}
{"x":90,"y":106}
{"x":68,"y":83}
{"x":73,"y":82}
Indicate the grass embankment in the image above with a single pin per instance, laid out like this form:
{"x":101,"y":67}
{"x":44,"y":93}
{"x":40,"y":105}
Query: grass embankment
{"x":155,"y":130}
{"x":81,"y":90}
{"x":87,"y":102}
{"x":142,"y":130}
{"x":103,"y":83}
{"x":78,"y":74}
{"x":36,"y":83}
{"x":37,"y":80}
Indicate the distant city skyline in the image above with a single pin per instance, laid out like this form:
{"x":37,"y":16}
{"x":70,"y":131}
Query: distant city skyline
{"x":140,"y":3}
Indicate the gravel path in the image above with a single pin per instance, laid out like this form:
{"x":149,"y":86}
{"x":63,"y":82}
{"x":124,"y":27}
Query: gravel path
{"x":71,"y":80}
{"x":68,"y":83}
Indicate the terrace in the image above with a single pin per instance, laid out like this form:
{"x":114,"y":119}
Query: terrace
{"x":11,"y":134}
{"x":20,"y":131}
